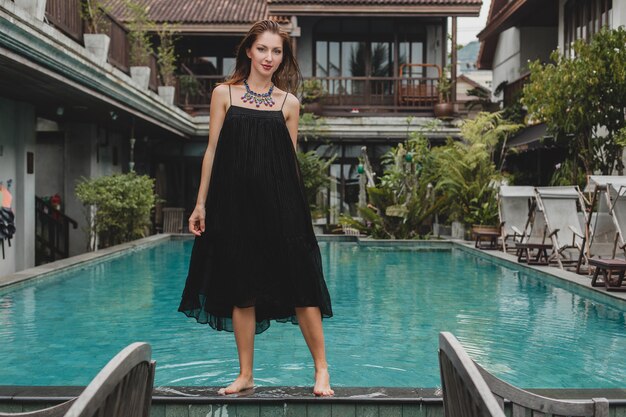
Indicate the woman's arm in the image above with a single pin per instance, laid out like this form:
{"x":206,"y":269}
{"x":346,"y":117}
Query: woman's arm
{"x":292,"y":118}
{"x":219,"y":106}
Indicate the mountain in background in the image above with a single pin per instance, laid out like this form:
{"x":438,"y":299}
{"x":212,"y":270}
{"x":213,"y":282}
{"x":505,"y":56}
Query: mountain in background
{"x":469,"y":52}
{"x":467,"y":56}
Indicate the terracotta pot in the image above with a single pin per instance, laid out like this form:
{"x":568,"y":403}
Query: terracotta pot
{"x":444,"y":110}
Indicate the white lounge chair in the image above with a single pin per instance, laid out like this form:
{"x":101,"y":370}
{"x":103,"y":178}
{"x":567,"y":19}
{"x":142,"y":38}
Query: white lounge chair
{"x":601,"y":225}
{"x":514,"y":205}
{"x":535,"y":244}
{"x":563,"y":209}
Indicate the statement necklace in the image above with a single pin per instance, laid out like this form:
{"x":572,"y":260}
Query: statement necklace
{"x":257,"y":98}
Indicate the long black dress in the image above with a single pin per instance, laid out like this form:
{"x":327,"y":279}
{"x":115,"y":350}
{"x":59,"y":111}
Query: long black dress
{"x":258,"y":248}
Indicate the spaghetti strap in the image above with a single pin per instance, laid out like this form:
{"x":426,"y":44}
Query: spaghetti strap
{"x":286,"y":95}
{"x":230,"y":97}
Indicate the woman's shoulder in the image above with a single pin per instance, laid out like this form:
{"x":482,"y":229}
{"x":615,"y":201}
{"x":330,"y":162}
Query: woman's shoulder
{"x":290,"y":100}
{"x":221,"y":94}
{"x":221,"y":89}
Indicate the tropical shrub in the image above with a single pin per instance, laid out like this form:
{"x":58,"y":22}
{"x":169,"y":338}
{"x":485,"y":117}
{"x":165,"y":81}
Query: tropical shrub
{"x":314,"y":172}
{"x":121,"y":206}
{"x":166,"y":54}
{"x":582,"y":100}
{"x":469,"y":170}
{"x":404,"y":198}
{"x":139,"y":34}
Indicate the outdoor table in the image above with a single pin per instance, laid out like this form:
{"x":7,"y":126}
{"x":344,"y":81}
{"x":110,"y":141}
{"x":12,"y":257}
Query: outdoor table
{"x":608,"y":267}
{"x":540,"y":257}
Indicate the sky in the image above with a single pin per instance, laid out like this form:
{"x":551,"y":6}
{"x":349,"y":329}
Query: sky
{"x":468,"y":27}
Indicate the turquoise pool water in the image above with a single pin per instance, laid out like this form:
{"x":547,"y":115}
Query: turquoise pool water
{"x":389,"y":304}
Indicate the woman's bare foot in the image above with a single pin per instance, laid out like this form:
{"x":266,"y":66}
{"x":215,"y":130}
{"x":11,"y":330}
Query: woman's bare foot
{"x":322,"y":384}
{"x":242,"y":383}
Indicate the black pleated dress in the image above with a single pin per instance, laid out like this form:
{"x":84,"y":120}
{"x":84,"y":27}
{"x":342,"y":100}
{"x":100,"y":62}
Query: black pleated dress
{"x":258,"y":248}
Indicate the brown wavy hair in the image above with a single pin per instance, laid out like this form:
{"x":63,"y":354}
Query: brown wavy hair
{"x":287,"y":76}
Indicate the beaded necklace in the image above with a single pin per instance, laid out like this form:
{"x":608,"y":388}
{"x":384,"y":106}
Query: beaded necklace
{"x":257,"y":98}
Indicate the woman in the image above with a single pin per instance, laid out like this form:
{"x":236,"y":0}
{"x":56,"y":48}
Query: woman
{"x":255,"y":257}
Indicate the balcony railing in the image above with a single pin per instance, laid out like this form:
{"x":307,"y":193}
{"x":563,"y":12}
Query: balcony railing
{"x":65,"y":15}
{"x":345,"y":94}
{"x":374,"y":94}
{"x":119,"y":47}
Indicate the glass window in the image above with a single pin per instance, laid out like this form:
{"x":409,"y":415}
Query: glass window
{"x":228,"y":65}
{"x":381,"y":62}
{"x":321,"y":54}
{"x":334,"y":59}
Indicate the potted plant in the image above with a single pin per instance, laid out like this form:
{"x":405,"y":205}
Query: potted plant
{"x":166,"y":58}
{"x":189,"y":87}
{"x":445,"y":107}
{"x":35,"y":7}
{"x":140,"y":45}
{"x":312,"y":91}
{"x":96,"y":39}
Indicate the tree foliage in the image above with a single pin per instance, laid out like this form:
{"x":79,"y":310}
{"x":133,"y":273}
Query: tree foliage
{"x":470,"y":170}
{"x":122,"y":206}
{"x":582,"y":100}
{"x":404,"y":198}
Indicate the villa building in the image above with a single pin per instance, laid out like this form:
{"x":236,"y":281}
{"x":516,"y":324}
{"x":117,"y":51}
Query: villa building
{"x":67,"y":112}
{"x":519,"y":31}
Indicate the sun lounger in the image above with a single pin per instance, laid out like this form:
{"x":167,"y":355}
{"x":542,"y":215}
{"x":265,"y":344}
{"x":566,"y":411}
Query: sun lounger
{"x":514,"y":204}
{"x":123,"y":388}
{"x":601,"y":227}
{"x":561,"y":207}
{"x":468,"y":390}
{"x":535,"y":244}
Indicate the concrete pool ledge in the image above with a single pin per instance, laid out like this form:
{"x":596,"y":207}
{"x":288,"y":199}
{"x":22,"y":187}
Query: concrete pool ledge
{"x":508,"y":260}
{"x":78,"y":260}
{"x":288,"y":401}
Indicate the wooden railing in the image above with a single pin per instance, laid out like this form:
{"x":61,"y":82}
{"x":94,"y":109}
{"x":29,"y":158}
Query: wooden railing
{"x":52,"y":233}
{"x":202,"y":99}
{"x":514,"y":89}
{"x":120,"y":45}
{"x":65,"y":15}
{"x":365,"y":94}
{"x":380,"y":93}
{"x":154,"y":72}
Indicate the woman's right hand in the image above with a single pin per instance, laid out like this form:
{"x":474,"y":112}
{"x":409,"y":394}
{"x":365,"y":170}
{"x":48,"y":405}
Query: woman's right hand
{"x":196,"y":221}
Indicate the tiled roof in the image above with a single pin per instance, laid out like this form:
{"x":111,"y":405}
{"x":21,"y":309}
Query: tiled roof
{"x":379,"y":2}
{"x":197,"y":11}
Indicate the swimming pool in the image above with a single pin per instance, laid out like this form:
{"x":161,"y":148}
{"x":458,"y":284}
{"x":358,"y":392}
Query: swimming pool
{"x":390,"y":302}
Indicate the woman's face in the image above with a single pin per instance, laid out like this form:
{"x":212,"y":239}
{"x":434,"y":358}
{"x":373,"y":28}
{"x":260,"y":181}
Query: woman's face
{"x":266,"y":53}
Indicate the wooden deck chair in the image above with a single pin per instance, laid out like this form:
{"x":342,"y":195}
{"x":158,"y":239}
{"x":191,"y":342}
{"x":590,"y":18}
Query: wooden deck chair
{"x":173,"y":219}
{"x":514,"y":203}
{"x":465,"y":392}
{"x":533,"y":247}
{"x":616,"y":197}
{"x":123,"y":388}
{"x":601,"y":229}
{"x":515,"y":402}
{"x":560,"y":206}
